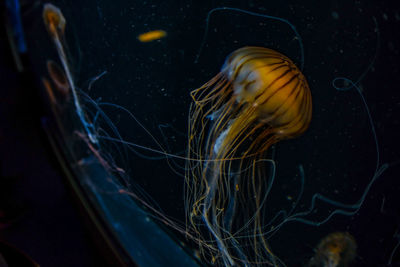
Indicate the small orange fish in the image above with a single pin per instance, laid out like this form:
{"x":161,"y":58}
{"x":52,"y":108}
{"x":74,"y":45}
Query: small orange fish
{"x":151,"y":36}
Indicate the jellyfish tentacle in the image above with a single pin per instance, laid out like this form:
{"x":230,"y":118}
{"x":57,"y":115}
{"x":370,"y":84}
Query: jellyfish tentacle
{"x":293,"y":28}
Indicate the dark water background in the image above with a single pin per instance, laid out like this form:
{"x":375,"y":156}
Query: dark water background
{"x":340,"y":38}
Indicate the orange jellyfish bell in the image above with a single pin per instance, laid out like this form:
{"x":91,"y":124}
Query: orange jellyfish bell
{"x":259,"y":98}
{"x":271,"y":82}
{"x":54,"y":20}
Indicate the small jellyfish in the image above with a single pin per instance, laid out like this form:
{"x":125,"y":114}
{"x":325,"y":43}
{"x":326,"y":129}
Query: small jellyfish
{"x":337,"y":249}
{"x":54,"y":20}
{"x":58,"y":77}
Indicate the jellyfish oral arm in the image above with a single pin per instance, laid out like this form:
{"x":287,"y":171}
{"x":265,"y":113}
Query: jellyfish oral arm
{"x":220,"y":140}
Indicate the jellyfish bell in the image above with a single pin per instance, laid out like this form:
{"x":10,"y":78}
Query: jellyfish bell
{"x":259,"y":98}
{"x":335,"y":249}
{"x":54,"y":20}
{"x":270,"y":82}
{"x":58,"y":77}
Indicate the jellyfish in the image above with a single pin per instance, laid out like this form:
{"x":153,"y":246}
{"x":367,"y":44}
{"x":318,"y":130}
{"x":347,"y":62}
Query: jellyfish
{"x":55,"y":24}
{"x":259,"y":98}
{"x":336,"y":249}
